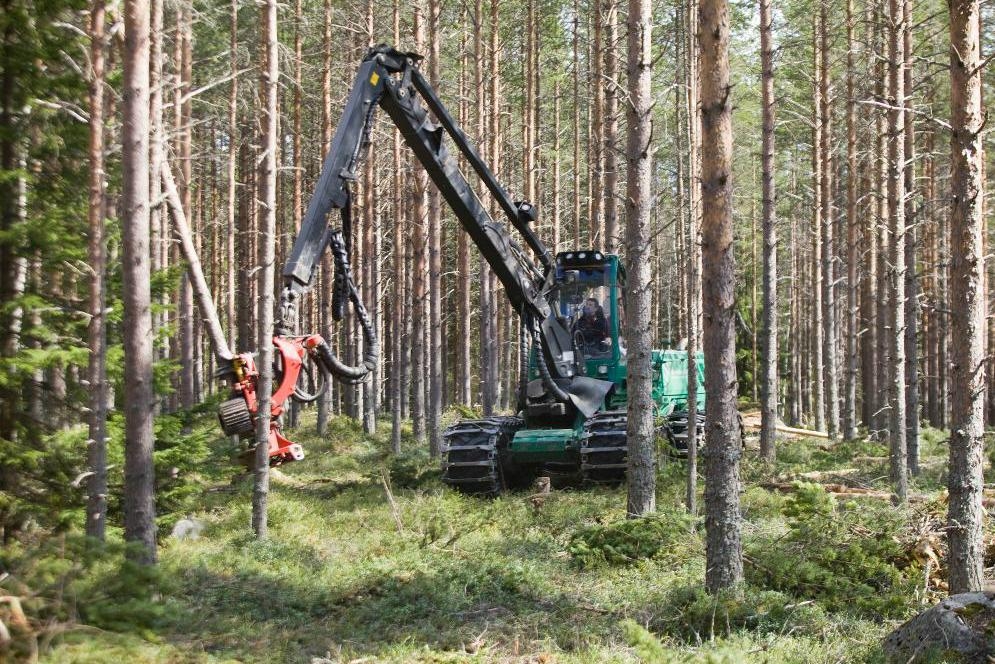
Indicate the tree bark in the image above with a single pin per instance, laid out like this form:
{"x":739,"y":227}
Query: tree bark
{"x":267,"y":256}
{"x":327,"y":401}
{"x":912,"y":311}
{"x":397,"y":341}
{"x":436,"y":376}
{"x":596,"y":126}
{"x":829,"y":338}
{"x":768,"y":367}
{"x":723,"y":523}
{"x":419,"y":219}
{"x":965,"y":481}
{"x":575,"y":71}
{"x":638,"y":296}
{"x":610,"y":150}
{"x":693,"y":258}
{"x":139,"y":474}
{"x":850,"y":386}
{"x":818,"y":332}
{"x":896,"y":250}
{"x":181,"y":126}
{"x":96,"y":505}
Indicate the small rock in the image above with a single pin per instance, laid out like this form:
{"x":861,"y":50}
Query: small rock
{"x":187,"y":528}
{"x":960,"y":628}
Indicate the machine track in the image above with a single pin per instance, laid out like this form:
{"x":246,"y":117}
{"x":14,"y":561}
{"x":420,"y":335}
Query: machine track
{"x":676,"y":431}
{"x":472,"y":454}
{"x":604,"y":451}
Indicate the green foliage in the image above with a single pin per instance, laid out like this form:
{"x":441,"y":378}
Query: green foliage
{"x":188,"y":455}
{"x":650,"y":650}
{"x":663,"y":534}
{"x":413,"y":470}
{"x":45,"y":490}
{"x":695,"y":616}
{"x":848,"y":558}
{"x":70,"y":578}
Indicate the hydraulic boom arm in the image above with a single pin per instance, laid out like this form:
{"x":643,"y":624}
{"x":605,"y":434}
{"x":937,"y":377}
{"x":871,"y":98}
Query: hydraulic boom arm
{"x":392,"y":80}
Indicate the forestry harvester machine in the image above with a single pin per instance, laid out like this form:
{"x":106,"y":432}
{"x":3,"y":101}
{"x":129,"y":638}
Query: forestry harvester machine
{"x":572,"y":384}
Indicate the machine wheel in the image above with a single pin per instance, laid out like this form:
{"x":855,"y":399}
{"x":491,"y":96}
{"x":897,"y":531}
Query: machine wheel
{"x":235,"y":418}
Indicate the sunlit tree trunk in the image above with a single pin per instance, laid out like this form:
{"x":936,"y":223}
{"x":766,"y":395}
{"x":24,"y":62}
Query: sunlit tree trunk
{"x":723,"y":522}
{"x":139,"y":473}
{"x":638,"y":299}
{"x":419,"y":295}
{"x":267,"y":240}
{"x":818,"y":353}
{"x":852,"y":250}
{"x":896,"y":251}
{"x":828,"y":259}
{"x":768,"y":378}
{"x":436,"y":376}
{"x":96,"y":506}
{"x":965,"y":482}
{"x":912,"y":311}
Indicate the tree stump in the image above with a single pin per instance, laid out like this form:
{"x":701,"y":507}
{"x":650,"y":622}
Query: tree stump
{"x":960,"y":628}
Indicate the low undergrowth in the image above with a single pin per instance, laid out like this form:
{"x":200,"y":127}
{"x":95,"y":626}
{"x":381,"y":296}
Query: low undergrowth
{"x":668,"y":534}
{"x":369,"y":556}
{"x":849,"y":557}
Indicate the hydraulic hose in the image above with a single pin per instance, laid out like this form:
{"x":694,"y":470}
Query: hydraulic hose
{"x":523,"y":367}
{"x":547,"y":379}
{"x":345,"y":286}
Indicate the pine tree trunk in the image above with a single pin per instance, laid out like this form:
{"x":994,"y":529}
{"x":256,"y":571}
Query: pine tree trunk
{"x":911,"y":280}
{"x":233,"y":291}
{"x":852,"y":250}
{"x":596,"y":126}
{"x":160,"y":244}
{"x":464,"y":387}
{"x":181,"y":128}
{"x":693,"y":260}
{"x":723,"y":523}
{"x":96,"y":506}
{"x":638,"y":296}
{"x":965,"y":481}
{"x":896,"y":251}
{"x":576,"y":123}
{"x":139,"y":473}
{"x":829,"y":337}
{"x":327,"y":402}
{"x":556,"y":212}
{"x":818,"y":354}
{"x":267,"y":276}
{"x":419,"y":299}
{"x":768,"y":379}
{"x":436,"y":376}
{"x":610,"y":149}
{"x":397,"y":396}
{"x":882,"y":362}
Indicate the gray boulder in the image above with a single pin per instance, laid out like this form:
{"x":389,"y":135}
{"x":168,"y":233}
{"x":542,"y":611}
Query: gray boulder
{"x":961,"y":628}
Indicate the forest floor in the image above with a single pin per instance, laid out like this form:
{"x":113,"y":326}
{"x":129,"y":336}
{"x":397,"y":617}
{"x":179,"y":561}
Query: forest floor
{"x":354,"y":571}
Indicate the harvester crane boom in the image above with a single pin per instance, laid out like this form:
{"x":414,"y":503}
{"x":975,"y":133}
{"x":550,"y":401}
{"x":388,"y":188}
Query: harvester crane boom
{"x":392,"y":80}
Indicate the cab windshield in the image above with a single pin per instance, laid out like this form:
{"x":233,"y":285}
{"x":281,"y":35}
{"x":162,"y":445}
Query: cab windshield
{"x":585,"y":303}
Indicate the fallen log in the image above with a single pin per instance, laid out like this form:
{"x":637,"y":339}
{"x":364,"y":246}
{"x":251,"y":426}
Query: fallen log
{"x":820,"y":474}
{"x":780,"y":427}
{"x":846,"y":492}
